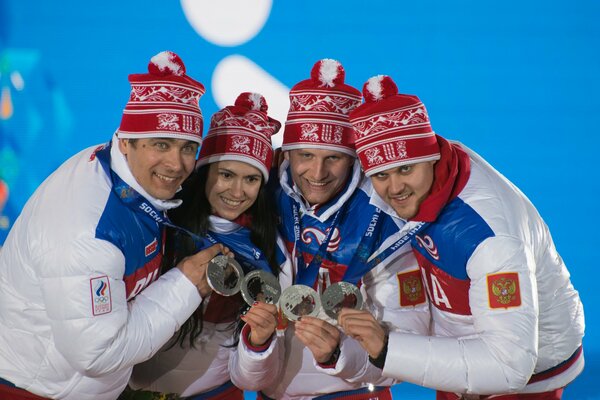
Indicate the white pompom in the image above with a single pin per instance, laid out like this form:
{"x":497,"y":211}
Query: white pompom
{"x":375,"y":87}
{"x":168,"y":61}
{"x":329,"y":71}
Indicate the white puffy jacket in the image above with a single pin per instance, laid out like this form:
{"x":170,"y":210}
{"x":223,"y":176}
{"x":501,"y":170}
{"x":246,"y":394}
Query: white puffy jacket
{"x":75,"y":244}
{"x":503,"y":306}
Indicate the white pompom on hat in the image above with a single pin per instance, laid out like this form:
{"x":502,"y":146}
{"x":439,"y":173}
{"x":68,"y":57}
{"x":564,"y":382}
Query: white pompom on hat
{"x":392,"y":129}
{"x":319,"y":108}
{"x":163,"y":103}
{"x":241,"y":132}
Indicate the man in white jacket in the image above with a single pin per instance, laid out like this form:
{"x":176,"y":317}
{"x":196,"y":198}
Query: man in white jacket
{"x":82,"y":298}
{"x":326,"y":215}
{"x":507,"y":322}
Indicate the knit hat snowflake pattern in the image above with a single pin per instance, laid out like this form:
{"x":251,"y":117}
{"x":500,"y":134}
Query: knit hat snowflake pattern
{"x":392,"y":129}
{"x":319,"y":108}
{"x":163,"y":103}
{"x":241,"y":132}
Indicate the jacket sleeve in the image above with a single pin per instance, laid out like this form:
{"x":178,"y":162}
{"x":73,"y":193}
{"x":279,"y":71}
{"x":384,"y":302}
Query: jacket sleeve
{"x":132,"y":331}
{"x":252,"y":370}
{"x":501,"y":355}
{"x":354,"y":366}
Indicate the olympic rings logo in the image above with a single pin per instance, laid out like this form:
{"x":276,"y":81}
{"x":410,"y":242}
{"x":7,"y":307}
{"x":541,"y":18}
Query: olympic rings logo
{"x":101,"y":299}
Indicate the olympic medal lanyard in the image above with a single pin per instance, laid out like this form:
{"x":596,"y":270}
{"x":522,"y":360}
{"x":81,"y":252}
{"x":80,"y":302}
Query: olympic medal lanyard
{"x":307,"y":274}
{"x":244,"y":249}
{"x":360,"y":264}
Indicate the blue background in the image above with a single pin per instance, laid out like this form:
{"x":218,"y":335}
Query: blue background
{"x":516,"y":81}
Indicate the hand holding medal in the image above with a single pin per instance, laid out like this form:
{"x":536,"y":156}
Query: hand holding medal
{"x":195,"y":267}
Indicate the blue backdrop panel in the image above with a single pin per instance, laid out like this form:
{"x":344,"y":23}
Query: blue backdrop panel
{"x":516,"y":81}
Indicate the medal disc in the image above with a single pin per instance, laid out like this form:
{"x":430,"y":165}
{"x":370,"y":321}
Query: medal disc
{"x":260,"y":285}
{"x":340,"y":295}
{"x":224,"y":275}
{"x":299,"y":300}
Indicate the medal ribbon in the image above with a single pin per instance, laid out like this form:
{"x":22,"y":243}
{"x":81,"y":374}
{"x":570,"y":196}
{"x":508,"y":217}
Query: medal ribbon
{"x":307,"y":274}
{"x":359,"y":264}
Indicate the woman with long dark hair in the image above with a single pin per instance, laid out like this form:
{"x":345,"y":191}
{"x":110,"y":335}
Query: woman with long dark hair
{"x":226,"y":200}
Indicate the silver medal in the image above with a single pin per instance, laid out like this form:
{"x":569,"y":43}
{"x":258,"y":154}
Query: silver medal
{"x":340,"y":295}
{"x":260,"y":285}
{"x":299,"y":300}
{"x":224,"y":275}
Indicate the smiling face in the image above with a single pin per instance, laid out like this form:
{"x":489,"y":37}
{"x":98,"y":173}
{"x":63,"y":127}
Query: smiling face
{"x":159,"y":165}
{"x":319,"y":174}
{"x":232,"y":187}
{"x":405,"y":187}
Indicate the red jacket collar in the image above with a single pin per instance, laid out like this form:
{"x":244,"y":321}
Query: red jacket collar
{"x":451,"y":174}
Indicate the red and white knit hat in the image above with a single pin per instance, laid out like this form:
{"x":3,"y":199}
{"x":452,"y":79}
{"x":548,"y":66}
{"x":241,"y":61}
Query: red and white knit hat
{"x":391,"y":129}
{"x":319,"y":108}
{"x":241,"y":132}
{"x":163,"y":103}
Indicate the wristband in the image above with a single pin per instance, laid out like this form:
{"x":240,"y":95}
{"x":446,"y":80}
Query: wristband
{"x":333,"y":359}
{"x":379,"y":362}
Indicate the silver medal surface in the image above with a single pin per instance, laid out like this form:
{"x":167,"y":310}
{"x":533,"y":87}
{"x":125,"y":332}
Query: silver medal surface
{"x":224,"y":275}
{"x":260,"y":285}
{"x":299,"y":300}
{"x":340,"y":295}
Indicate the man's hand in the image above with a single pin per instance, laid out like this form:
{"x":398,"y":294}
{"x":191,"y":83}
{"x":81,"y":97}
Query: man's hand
{"x":363,"y":327}
{"x":194,"y":267}
{"x":262,"y":319}
{"x":319,"y":336}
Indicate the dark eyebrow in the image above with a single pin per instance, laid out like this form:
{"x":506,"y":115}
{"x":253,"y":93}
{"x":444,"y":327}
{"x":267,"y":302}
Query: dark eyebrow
{"x":172,"y":140}
{"x":221,"y":169}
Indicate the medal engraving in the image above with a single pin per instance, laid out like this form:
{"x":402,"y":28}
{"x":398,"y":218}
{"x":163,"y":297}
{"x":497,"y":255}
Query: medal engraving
{"x":260,"y":285}
{"x":340,"y":295}
{"x":299,"y":300}
{"x":224,"y":275}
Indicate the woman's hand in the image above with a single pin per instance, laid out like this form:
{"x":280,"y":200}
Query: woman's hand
{"x":262,"y":319}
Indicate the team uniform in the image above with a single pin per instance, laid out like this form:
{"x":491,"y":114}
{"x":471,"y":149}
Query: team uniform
{"x":505,"y":316}
{"x":76,"y":308}
{"x":286,"y":369}
{"x":203,"y":369}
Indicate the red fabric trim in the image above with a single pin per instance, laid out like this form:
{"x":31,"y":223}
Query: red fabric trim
{"x":246,"y":338}
{"x":15,"y":393}
{"x":559,"y":369}
{"x":328,"y":366}
{"x":382,"y":394}
{"x":244,"y":220}
{"x":452,"y":172}
{"x":551,"y":395}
